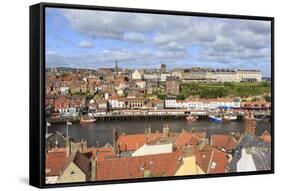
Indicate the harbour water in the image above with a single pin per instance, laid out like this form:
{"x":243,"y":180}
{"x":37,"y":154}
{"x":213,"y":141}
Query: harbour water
{"x":102,"y":130}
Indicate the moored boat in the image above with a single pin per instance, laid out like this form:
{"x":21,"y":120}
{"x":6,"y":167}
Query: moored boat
{"x":87,"y":121}
{"x":191,"y":118}
{"x":230,"y":117}
{"x":216,"y":118}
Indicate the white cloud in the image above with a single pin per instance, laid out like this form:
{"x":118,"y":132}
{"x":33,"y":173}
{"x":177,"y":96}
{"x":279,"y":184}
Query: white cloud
{"x":85,"y":44}
{"x":224,"y":41}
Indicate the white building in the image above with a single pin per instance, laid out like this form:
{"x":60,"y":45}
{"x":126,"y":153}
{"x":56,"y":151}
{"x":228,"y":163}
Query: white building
{"x":202,"y":104}
{"x":151,"y":76}
{"x":164,"y":76}
{"x":69,"y":112}
{"x":137,"y":75}
{"x":116,"y":103}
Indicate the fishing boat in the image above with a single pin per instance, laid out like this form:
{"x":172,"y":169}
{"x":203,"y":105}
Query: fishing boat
{"x":191,"y":118}
{"x":230,"y":117}
{"x":87,"y":121}
{"x":216,"y":118}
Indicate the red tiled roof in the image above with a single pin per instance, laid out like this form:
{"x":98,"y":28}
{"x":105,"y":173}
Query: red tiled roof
{"x":218,"y":162}
{"x":223,"y":141}
{"x":135,"y":167}
{"x":55,"y":163}
{"x":211,"y":160}
{"x":133,"y":142}
{"x":203,"y":157}
{"x":188,"y":138}
{"x":103,"y":153}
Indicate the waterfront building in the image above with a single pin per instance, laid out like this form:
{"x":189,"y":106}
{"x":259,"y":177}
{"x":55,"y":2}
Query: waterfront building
{"x":202,"y":104}
{"x":117,"y":103}
{"x":102,"y":105}
{"x":261,"y":105}
{"x":136,"y":103}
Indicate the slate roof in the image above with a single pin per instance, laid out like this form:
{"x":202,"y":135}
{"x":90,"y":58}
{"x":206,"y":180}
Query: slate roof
{"x":257,"y":147}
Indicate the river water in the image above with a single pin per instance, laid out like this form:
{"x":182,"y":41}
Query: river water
{"x":102,"y":130}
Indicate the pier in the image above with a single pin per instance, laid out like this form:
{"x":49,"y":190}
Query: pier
{"x":136,"y":115}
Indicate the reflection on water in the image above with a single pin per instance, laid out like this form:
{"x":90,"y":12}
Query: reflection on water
{"x":102,"y":130}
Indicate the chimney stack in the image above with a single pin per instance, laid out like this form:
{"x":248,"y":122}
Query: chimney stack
{"x":115,"y":137}
{"x":250,"y":124}
{"x":166,"y":131}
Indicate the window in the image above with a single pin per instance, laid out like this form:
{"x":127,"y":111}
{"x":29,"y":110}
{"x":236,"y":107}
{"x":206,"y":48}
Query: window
{"x":72,"y":173}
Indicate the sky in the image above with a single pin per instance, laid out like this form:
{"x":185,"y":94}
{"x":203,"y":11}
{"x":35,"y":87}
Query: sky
{"x":94,"y":39}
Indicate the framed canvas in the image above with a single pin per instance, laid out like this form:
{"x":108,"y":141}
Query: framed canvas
{"x":120,"y":95}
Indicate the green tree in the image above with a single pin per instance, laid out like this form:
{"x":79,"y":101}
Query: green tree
{"x":180,"y":97}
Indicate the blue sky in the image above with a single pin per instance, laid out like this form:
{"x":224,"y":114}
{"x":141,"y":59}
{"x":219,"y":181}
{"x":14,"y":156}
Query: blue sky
{"x":93,"y":39}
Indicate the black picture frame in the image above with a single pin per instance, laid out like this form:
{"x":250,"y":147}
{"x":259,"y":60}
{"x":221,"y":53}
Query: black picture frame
{"x":37,"y":92}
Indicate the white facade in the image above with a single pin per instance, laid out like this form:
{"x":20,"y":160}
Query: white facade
{"x":137,"y":75}
{"x":69,"y":112}
{"x":163,"y":76}
{"x":116,"y":104}
{"x":153,"y":76}
{"x":202,"y":104}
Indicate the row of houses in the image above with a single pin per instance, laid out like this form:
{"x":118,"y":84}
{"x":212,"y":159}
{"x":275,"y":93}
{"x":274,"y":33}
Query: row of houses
{"x":201,"y":75}
{"x":156,"y":154}
{"x":72,"y":105}
{"x":213,"y":104}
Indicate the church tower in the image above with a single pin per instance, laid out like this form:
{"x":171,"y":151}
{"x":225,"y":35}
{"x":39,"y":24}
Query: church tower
{"x":116,"y":68}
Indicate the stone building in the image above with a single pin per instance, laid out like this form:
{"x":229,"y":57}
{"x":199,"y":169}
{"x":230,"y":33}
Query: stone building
{"x":172,"y":86}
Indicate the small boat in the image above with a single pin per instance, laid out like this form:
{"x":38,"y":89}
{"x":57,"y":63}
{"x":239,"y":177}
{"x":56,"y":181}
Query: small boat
{"x":216,"y":119}
{"x":191,"y":118}
{"x":87,"y":121}
{"x":230,"y":117}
